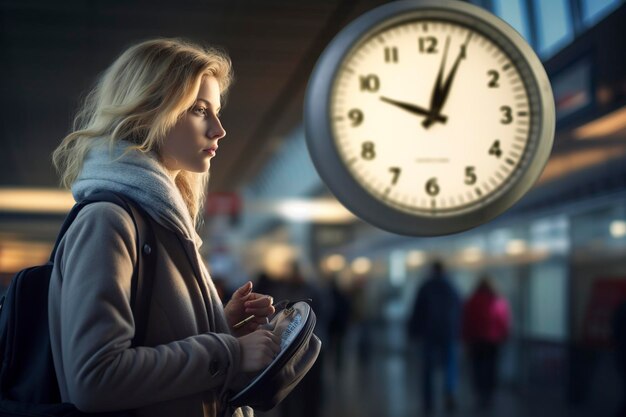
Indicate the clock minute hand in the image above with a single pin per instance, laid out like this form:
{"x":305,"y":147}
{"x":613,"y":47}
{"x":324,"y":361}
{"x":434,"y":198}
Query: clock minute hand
{"x":435,"y":97}
{"x":412,"y":108}
{"x":442,"y":94}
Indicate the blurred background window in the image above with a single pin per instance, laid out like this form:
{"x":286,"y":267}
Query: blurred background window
{"x":594,"y":10}
{"x":514,"y":13}
{"x":554,"y":25}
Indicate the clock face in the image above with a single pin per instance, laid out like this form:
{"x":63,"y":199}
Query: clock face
{"x":429,"y":117}
{"x":437,"y":161}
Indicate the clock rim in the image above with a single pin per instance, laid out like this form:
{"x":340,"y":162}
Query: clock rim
{"x":339,"y":179}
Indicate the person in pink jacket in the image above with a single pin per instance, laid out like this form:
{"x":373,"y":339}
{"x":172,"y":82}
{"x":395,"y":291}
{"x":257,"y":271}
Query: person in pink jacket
{"x":486,"y":323}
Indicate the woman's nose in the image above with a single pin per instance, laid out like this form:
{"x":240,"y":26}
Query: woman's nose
{"x":215,"y":130}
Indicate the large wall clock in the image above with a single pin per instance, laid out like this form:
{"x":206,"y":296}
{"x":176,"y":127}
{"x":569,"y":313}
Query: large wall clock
{"x":427,"y":118}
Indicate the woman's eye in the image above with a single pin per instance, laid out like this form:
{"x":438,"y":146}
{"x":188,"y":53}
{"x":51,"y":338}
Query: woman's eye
{"x":200,"y":110}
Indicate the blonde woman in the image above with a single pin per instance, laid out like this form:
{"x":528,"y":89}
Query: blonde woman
{"x":148,"y":130}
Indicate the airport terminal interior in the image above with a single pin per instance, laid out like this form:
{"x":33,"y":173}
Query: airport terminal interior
{"x":556,"y":258}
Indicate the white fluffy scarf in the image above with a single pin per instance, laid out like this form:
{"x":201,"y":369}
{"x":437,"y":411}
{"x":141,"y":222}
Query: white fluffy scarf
{"x":140,"y":177}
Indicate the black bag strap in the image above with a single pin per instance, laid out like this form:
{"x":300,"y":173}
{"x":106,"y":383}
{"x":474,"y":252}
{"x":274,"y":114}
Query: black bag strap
{"x":143,"y":273}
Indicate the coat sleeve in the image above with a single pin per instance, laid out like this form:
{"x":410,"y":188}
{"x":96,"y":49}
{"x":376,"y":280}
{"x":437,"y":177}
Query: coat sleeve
{"x":103,"y":372}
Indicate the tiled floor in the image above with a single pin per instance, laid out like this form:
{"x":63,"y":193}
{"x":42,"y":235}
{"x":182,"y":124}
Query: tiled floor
{"x":387,"y":385}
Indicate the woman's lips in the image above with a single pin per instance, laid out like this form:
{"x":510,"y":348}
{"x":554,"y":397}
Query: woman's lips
{"x":211,"y":151}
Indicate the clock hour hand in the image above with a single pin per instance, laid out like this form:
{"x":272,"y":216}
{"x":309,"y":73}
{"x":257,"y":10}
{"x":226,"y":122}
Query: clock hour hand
{"x":412,"y":108}
{"x":440,"y":96}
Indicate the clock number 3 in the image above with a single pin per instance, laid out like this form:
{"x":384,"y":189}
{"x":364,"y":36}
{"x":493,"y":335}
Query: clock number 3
{"x":506,"y":113}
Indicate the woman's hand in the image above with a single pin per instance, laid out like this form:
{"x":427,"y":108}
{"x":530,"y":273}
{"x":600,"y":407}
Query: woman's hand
{"x":245,"y":303}
{"x":258,"y":349}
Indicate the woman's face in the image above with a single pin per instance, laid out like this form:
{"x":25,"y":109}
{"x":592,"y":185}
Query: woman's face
{"x":192,"y":142}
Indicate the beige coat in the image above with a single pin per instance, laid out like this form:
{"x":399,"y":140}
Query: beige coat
{"x":191,"y":356}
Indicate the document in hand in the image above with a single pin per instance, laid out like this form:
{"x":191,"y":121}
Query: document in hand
{"x":293,"y":322}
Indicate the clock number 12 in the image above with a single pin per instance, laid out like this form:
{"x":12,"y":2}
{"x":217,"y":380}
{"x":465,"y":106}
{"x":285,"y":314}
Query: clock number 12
{"x":428,"y":44}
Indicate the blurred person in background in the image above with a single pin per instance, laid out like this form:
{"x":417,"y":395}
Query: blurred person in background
{"x":361,"y":312}
{"x":435,"y":321}
{"x":486,"y":325}
{"x":619,"y":338}
{"x":338,"y":322}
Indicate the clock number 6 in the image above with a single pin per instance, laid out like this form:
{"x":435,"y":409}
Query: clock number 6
{"x":432,"y":188}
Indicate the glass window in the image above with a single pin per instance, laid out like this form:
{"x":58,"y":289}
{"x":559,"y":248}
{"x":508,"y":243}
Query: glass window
{"x":594,"y":10}
{"x":547,"y":303}
{"x":554,"y":25}
{"x":514,"y":13}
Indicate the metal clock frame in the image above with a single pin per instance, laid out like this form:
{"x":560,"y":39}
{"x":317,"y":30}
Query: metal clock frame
{"x":351,"y":193}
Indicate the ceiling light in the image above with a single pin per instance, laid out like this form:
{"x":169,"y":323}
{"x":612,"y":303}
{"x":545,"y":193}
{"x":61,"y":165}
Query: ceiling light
{"x":335,"y":263}
{"x":415,"y":258}
{"x":318,"y":210}
{"x":35,"y":200}
{"x":472,"y":254}
{"x":618,"y":228}
{"x":361,"y":266}
{"x":516,"y":247}
{"x":608,"y":125}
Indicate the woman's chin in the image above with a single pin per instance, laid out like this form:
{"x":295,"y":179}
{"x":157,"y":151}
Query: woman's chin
{"x":200,"y":168}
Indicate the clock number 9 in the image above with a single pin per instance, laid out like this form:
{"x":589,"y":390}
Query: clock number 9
{"x":356,"y":116}
{"x":493,"y":83}
{"x":428,"y":44}
{"x":470,"y":175}
{"x":367,"y":151}
{"x":369,"y":83}
{"x":508,"y":117}
{"x":432,"y":188}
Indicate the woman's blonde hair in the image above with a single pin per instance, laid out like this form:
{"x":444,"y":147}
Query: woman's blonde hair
{"x":139,"y":98}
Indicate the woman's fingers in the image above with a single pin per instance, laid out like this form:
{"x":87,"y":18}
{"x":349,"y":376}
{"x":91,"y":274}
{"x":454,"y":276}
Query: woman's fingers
{"x":261,"y":306}
{"x":258,"y":349}
{"x":259,"y":301}
{"x":244,"y":290}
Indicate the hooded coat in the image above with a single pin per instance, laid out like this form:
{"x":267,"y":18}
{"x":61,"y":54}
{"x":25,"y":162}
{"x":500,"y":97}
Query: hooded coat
{"x":189,"y":361}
